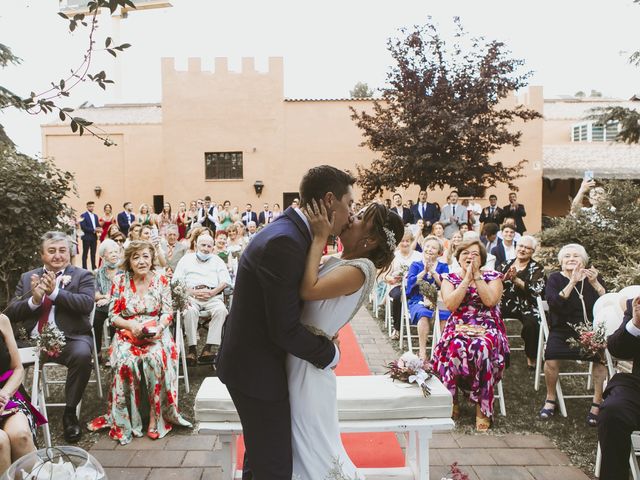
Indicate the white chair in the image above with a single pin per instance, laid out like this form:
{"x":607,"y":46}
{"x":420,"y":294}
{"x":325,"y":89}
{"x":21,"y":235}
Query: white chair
{"x":633,"y":460}
{"x":542,"y":340}
{"x":30,"y":358}
{"x":388,"y":314}
{"x":510,"y":337}
{"x":626,"y":293}
{"x":607,"y":311}
{"x":96,"y":368}
{"x":181,"y":353}
{"x":501,"y":401}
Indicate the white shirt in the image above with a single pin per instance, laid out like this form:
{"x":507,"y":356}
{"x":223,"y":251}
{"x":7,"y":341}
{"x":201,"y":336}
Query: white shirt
{"x":400,"y":260}
{"x":193,"y":272}
{"x":509,"y":252}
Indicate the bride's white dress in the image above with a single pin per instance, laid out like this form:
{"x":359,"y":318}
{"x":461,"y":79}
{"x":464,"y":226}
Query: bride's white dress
{"x":316,"y":443}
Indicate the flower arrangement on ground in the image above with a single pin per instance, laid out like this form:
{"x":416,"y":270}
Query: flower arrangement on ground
{"x":410,"y":369}
{"x":591,"y":341}
{"x":455,"y":473}
{"x":50,"y":341}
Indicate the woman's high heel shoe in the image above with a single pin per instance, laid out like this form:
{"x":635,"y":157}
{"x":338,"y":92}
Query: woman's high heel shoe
{"x":483,"y":424}
{"x":547,"y":413}
{"x":153,"y":434}
{"x":592,"y":418}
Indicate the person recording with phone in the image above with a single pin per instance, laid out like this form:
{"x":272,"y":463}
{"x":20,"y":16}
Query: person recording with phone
{"x":150,"y":234}
{"x":596,"y":196}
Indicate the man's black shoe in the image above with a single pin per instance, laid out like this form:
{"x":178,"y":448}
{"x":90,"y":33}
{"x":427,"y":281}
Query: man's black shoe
{"x":72,"y":431}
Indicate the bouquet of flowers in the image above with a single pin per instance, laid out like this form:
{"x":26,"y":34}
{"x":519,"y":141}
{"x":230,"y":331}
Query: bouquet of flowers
{"x":410,"y":369}
{"x":179,"y":296}
{"x":430,"y":293}
{"x":591,"y":341}
{"x":51,"y":341}
{"x":456,"y":473}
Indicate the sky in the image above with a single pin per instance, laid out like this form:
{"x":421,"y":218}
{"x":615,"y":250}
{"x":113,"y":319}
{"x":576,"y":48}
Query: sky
{"x":327,"y":46}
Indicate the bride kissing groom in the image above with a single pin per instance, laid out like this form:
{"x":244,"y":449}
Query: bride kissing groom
{"x":278,"y":348}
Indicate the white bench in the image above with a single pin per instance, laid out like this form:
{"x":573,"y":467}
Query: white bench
{"x":365,"y":404}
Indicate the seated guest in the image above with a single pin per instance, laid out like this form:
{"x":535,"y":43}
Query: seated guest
{"x":523,"y":282}
{"x":252,"y":229}
{"x":109,"y":251}
{"x":193,"y":237}
{"x":120,"y":240}
{"x":571,"y":294}
{"x":134,"y":233}
{"x":142,"y":350}
{"x":111,"y":231}
{"x":173,"y":250}
{"x":404,"y":256}
{"x":418,"y":231}
{"x":18,"y":418}
{"x":620,"y":411}
{"x":149,"y":234}
{"x":220,"y":247}
{"x":449,"y":256}
{"x":235,"y":241}
{"x":473,"y":349}
{"x":205,"y":276}
{"x":505,"y":250}
{"x":429,"y":270}
{"x":61,"y":296}
{"x":438,"y":232}
{"x":489,"y":237}
{"x":512,"y":223}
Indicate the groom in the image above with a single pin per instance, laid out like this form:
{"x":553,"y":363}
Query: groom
{"x":264,"y":325}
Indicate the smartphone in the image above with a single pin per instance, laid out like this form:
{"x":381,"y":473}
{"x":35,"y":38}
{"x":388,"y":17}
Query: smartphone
{"x":588,"y":175}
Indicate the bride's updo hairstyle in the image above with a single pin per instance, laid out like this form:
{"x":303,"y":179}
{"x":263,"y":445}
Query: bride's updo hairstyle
{"x":388,"y":230}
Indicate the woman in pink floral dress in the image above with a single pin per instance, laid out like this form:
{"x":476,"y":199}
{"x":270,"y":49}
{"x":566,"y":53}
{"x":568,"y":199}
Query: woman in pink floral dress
{"x":473,"y":348}
{"x":142,"y":350}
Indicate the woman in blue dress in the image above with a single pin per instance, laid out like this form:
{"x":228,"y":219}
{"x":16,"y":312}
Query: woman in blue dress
{"x":429,"y":270}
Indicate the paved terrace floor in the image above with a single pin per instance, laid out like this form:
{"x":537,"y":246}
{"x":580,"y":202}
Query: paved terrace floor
{"x":483,"y":456}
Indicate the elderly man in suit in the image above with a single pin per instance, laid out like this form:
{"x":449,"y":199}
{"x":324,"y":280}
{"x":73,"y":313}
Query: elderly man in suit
{"x":61,"y":295}
{"x":90,"y":226}
{"x":620,"y":411}
{"x":404,"y":213}
{"x":126,"y":218}
{"x":173,"y":249}
{"x":453,"y":215}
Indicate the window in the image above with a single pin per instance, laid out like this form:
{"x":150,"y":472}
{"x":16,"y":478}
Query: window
{"x":593,"y":132}
{"x":223,"y":165}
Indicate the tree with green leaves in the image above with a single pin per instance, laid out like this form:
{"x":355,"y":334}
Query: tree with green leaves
{"x":629,"y":119}
{"x":48,"y":99}
{"x":440,"y":120}
{"x":32,"y":194}
{"x":361,"y":90}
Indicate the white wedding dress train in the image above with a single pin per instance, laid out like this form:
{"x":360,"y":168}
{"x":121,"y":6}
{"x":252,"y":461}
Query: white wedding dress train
{"x":317,"y":447}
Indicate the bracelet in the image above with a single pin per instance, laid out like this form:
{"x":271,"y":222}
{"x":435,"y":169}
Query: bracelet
{"x":478,"y":278}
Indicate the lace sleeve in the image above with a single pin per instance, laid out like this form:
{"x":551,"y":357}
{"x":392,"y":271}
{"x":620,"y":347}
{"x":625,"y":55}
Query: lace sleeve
{"x":369,"y":270}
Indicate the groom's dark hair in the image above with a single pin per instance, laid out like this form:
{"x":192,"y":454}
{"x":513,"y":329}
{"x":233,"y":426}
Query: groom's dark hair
{"x":320,"y":180}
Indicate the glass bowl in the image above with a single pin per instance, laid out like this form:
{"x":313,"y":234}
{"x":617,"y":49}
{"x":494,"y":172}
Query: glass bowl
{"x":56,"y":463}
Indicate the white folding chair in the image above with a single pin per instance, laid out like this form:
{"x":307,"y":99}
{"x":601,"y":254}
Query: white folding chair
{"x":626,"y":293}
{"x":181,"y":353}
{"x":607,"y":311}
{"x":500,"y":396}
{"x":388,"y":314}
{"x":633,"y":457}
{"x":30,"y":358}
{"x":542,"y":340}
{"x":510,"y":337}
{"x":96,"y":368}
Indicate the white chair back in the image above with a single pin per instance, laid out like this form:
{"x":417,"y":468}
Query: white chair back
{"x":627,"y":293}
{"x":607,"y":310}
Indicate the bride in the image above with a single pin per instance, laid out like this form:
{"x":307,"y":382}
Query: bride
{"x":333,"y":294}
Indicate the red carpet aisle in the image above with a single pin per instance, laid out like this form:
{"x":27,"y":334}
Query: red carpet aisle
{"x":367,"y":450}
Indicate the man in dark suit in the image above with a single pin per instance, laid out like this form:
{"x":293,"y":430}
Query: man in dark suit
{"x":90,"y":226}
{"x":265,"y":215}
{"x":505,"y":250}
{"x":426,"y":211}
{"x":126,"y":218}
{"x":516,"y":211}
{"x":404,"y":213}
{"x":264,"y":325}
{"x":60,"y":295}
{"x":620,"y":412}
{"x":492,"y":213}
{"x":249,"y":215}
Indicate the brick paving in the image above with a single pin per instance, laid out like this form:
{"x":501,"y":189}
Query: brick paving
{"x":482,"y":456}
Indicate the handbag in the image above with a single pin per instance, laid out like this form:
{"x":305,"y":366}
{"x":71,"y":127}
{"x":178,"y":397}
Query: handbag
{"x":151,"y":327}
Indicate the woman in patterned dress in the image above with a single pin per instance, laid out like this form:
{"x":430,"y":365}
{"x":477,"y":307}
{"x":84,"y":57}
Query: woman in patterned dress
{"x":141,"y":304}
{"x":524,"y":281}
{"x":18,"y":418}
{"x":166,"y":218}
{"x":473,"y":349}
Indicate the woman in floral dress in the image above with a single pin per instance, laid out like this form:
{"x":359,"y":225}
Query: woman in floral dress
{"x":140,"y":302}
{"x":473,"y":349}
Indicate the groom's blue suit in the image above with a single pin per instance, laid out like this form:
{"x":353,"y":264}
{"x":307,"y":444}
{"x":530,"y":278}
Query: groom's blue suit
{"x":261,"y":329}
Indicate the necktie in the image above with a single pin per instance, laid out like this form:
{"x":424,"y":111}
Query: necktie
{"x":422,"y":210}
{"x":491,"y":210}
{"x":453,"y":207}
{"x":47,"y":304}
{"x":170,"y":251}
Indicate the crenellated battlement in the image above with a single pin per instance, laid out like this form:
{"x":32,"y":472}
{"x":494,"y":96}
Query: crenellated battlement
{"x":221,"y":67}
